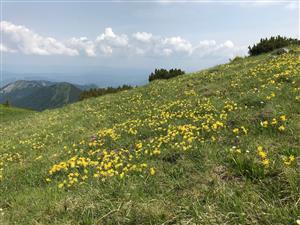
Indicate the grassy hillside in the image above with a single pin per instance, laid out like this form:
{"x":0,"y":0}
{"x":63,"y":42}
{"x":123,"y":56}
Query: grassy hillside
{"x":9,"y":114}
{"x":220,"y":146}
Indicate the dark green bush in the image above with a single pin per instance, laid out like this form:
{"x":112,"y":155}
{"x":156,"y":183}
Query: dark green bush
{"x":165,"y":74}
{"x":270,"y":44}
{"x":95,"y":92}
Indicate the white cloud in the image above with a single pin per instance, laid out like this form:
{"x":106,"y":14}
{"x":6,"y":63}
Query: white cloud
{"x":21,"y":39}
{"x":178,"y":44}
{"x":150,"y":45}
{"x":212,"y":48}
{"x":109,"y":40}
{"x":143,"y":36}
{"x":227,"y":44}
{"x":82,"y":44}
{"x":207,"y":43}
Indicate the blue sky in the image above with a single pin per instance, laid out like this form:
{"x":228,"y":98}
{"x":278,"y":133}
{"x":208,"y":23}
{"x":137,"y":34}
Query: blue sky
{"x":76,"y":37}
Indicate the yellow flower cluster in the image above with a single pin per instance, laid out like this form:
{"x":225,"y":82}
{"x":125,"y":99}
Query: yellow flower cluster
{"x":106,"y":155}
{"x":279,"y":123}
{"x":238,"y":130}
{"x":98,"y":164}
{"x":154,"y":125}
{"x":263,"y":156}
{"x":288,"y":160}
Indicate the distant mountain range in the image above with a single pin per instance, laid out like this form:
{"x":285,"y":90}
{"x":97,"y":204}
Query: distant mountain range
{"x":40,"y":94}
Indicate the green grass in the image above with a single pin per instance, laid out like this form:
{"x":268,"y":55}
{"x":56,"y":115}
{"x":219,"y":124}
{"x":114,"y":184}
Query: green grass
{"x":205,"y":173}
{"x":8,"y":114}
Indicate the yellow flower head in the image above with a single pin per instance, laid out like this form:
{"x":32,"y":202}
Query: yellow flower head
{"x":264,"y":123}
{"x":259,"y":148}
{"x":244,"y":130}
{"x":281,"y":128}
{"x":274,"y":121}
{"x":152,"y":171}
{"x":283,"y":117}
{"x":235,"y":130}
{"x":262,"y":154}
{"x":266,"y":162}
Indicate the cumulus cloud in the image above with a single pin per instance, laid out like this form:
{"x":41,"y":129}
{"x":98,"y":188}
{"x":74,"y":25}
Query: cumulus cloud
{"x":83,"y":45}
{"x":151,"y":45}
{"x":212,"y":48}
{"x":143,"y":37}
{"x":108,"y":40}
{"x":178,"y":44}
{"x":20,"y":39}
{"x":111,"y":38}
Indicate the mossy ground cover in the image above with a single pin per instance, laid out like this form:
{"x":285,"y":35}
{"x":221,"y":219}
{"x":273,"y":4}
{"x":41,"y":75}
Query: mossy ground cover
{"x":219,"y":146}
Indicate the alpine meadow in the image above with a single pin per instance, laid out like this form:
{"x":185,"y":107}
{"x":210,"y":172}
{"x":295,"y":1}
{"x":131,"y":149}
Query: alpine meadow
{"x":219,"y":146}
{"x":150,"y":112}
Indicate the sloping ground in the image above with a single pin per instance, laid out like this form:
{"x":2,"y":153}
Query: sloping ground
{"x":9,"y":114}
{"x":219,"y":146}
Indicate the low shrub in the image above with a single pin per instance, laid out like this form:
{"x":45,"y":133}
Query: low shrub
{"x":165,"y":74}
{"x":95,"y":92}
{"x":270,"y":44}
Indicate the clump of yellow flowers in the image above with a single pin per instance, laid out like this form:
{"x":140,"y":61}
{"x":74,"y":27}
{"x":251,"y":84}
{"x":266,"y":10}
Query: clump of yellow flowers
{"x":278,"y":123}
{"x":288,"y":160}
{"x":104,"y":156}
{"x":263,"y":156}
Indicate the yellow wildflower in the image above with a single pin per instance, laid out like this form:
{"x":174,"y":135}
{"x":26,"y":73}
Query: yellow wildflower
{"x":283,"y":117}
{"x":235,"y":130}
{"x":266,"y":162}
{"x":259,"y":148}
{"x":152,"y":171}
{"x":281,"y":128}
{"x":264,"y":123}
{"x":274,"y":121}
{"x":244,"y":129}
{"x":262,"y":154}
